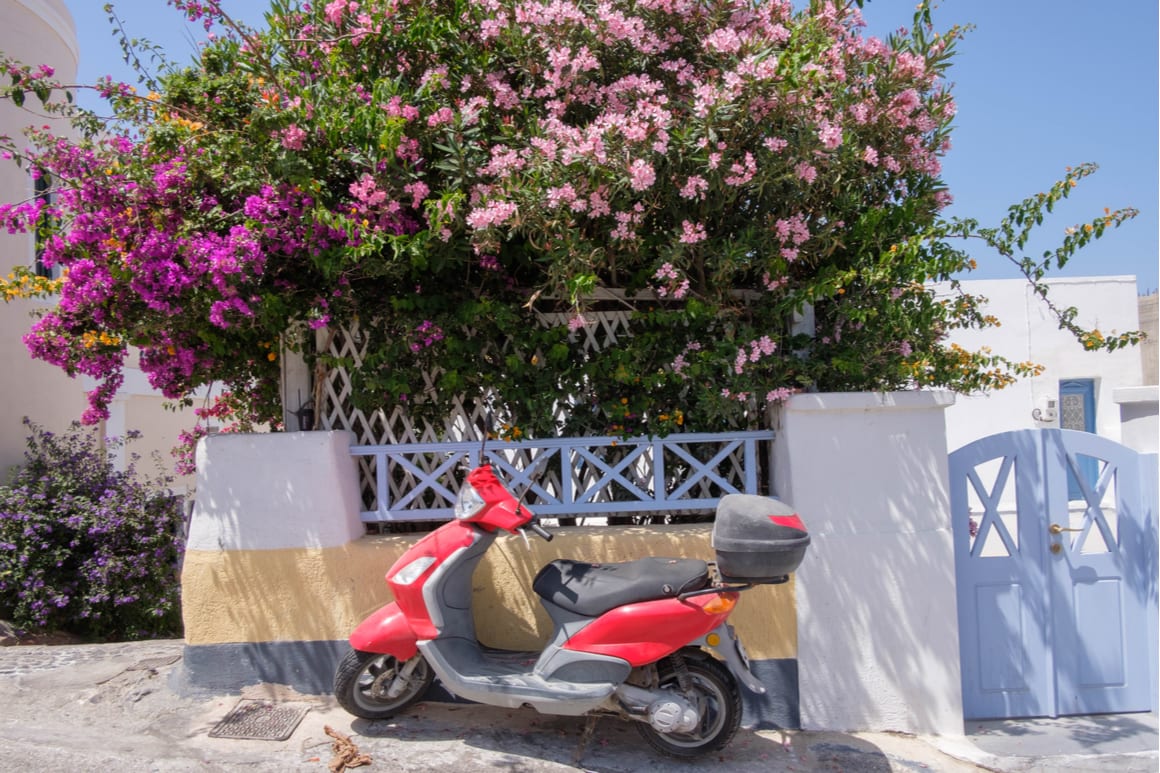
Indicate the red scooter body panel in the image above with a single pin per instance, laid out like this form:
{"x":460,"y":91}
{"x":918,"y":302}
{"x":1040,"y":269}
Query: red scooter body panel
{"x":648,"y":631}
{"x":440,"y":545}
{"x":386,"y":632}
{"x":503,"y":511}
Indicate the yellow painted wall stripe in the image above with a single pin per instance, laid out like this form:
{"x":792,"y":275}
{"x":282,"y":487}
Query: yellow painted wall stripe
{"x":321,"y":594}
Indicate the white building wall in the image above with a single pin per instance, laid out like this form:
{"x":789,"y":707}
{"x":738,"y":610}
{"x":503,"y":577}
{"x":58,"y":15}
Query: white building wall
{"x":1030,"y":332}
{"x":36,"y":32}
{"x":43,"y":32}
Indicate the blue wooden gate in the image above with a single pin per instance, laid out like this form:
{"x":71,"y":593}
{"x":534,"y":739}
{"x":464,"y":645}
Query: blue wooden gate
{"x":1053,"y":595}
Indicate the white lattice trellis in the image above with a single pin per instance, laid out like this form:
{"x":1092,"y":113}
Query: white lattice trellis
{"x":616,"y":480}
{"x":378,"y":428}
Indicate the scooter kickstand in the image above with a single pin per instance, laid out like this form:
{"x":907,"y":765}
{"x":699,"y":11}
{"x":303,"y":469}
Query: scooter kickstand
{"x":585,"y":738}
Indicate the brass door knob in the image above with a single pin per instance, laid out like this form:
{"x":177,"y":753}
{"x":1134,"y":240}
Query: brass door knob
{"x":1055,"y":528}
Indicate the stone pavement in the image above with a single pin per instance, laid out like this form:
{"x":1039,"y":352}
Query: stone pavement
{"x":114,"y":707}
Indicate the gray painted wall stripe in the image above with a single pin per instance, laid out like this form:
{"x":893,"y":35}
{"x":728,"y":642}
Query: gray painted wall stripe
{"x":308,"y":667}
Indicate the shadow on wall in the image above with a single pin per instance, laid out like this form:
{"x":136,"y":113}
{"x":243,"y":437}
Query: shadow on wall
{"x":876,"y":589}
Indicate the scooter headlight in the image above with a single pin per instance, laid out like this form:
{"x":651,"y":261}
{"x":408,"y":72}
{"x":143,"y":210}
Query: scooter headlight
{"x":413,"y":571}
{"x":468,"y":503}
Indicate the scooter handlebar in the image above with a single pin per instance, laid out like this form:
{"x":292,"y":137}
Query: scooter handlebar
{"x":541,"y":531}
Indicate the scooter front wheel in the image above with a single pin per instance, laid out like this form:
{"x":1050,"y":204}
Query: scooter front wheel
{"x":371,"y":685}
{"x":714,"y":691}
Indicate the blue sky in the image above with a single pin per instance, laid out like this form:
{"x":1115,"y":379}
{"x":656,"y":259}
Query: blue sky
{"x":1040,"y":85}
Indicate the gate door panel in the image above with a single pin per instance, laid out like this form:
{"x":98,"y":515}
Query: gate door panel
{"x":1100,"y":613}
{"x":1002,"y":589}
{"x":1052,"y":615}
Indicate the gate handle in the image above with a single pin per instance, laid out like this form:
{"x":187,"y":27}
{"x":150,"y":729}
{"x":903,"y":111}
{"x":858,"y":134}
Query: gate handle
{"x":1055,"y":528}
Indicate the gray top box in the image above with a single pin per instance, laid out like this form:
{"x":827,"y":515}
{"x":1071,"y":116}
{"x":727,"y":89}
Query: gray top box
{"x":757,"y":539}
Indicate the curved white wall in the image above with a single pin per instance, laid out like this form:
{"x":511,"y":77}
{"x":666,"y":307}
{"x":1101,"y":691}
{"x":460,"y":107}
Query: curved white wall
{"x":35,"y":32}
{"x":43,"y":32}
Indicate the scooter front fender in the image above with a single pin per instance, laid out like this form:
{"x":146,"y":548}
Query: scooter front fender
{"x":386,"y":632}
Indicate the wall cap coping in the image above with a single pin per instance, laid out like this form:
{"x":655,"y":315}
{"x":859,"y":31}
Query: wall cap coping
{"x":1137,"y":394}
{"x":851,"y":402}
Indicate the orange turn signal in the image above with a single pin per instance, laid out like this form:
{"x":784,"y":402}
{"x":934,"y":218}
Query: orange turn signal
{"x":722,"y":605}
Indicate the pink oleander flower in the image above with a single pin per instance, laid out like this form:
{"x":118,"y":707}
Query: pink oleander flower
{"x":774,"y":144}
{"x":806,"y":172}
{"x":773,"y":284}
{"x":293,"y":137}
{"x":562,"y":195}
{"x":691,"y":233}
{"x":641,"y":175}
{"x":741,"y":173}
{"x":753,"y":352}
{"x":598,"y":205}
{"x":493,"y":213}
{"x":366,"y":190}
{"x":694,"y":188}
{"x":673,"y":283}
{"x":779,"y":395}
{"x":441,"y":116}
{"x":336,"y":8}
{"x":408,"y":149}
{"x":830,"y":135}
{"x":870,"y":156}
{"x":792,"y":229}
{"x":725,"y":41}
{"x":418,"y":191}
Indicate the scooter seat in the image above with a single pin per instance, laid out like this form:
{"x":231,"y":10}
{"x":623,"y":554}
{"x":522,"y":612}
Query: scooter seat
{"x":593,"y":589}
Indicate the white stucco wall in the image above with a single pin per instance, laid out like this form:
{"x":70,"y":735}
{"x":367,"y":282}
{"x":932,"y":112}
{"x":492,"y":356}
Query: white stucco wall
{"x":1139,"y":417}
{"x":878,"y":645}
{"x":43,"y":32}
{"x":1030,"y":332}
{"x":36,"y":32}
{"x":271,"y":491}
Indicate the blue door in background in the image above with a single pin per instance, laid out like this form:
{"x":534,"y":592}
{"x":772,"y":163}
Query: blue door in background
{"x":1053,"y":595}
{"x":1077,"y":410}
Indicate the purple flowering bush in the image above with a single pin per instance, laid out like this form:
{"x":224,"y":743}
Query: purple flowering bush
{"x":446,"y":173}
{"x":87,"y":549}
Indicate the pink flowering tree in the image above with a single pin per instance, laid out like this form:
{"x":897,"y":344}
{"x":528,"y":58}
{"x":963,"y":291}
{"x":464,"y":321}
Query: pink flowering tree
{"x":441,"y":173}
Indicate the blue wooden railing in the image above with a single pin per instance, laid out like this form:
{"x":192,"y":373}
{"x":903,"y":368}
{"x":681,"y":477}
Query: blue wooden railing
{"x":566,"y":477}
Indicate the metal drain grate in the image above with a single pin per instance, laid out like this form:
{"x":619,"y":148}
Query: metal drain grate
{"x":260,"y":720}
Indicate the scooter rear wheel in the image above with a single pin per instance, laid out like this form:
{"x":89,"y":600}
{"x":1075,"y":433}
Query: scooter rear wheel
{"x":363,"y":682}
{"x":714,"y":691}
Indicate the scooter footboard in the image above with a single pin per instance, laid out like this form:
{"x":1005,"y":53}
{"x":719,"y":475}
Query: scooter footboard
{"x":386,"y":632}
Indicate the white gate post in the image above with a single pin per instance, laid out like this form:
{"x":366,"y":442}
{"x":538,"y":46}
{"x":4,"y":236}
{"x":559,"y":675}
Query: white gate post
{"x":878,"y":640}
{"x":1140,"y":430}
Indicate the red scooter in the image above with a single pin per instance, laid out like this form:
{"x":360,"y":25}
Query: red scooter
{"x":645,"y":640}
